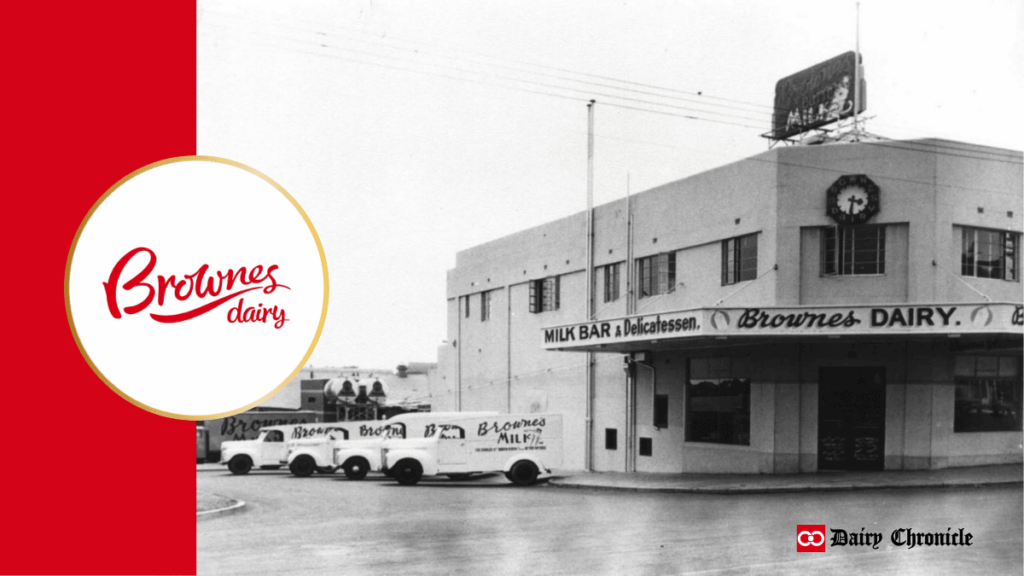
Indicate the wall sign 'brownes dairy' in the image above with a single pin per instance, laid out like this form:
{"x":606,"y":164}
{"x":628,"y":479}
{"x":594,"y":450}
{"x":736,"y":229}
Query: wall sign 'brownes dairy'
{"x":826,"y":320}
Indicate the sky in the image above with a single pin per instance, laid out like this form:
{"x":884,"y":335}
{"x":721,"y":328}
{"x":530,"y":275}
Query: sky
{"x":411,"y":130}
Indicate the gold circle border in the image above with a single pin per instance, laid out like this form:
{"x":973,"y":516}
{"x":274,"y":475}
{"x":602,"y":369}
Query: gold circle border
{"x":71,"y":255}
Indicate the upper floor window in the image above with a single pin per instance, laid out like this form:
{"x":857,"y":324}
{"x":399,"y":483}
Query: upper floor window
{"x":852,"y":250}
{"x":739,"y":259}
{"x":989,"y":254}
{"x":465,"y":302}
{"x":657,"y":274}
{"x":544,"y":294}
{"x":612,"y":273}
{"x":485,"y":305}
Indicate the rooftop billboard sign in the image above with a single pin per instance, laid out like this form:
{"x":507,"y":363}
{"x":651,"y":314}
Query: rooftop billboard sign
{"x":817,"y":96}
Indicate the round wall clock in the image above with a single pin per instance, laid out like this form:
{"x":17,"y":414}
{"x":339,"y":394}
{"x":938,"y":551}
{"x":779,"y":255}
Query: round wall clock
{"x":852,"y":199}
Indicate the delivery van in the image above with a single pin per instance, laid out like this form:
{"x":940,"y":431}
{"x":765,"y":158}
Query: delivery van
{"x":357,"y":450}
{"x":520,"y":445}
{"x":269,"y":450}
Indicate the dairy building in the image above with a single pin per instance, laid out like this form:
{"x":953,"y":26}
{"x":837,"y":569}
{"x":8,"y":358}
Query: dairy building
{"x":848,"y":306}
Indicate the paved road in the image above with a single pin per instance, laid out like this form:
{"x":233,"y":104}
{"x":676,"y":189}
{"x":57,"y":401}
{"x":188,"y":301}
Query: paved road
{"x":327,"y":524}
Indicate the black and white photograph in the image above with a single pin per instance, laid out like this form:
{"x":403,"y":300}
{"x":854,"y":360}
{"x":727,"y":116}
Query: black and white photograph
{"x":631,"y":287}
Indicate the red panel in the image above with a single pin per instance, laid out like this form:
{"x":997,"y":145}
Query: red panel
{"x":92,"y":91}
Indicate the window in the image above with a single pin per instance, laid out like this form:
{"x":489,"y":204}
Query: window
{"x":657,"y":274}
{"x":274,"y":436}
{"x":661,"y":411}
{"x":718,"y":401}
{"x":465,"y":300}
{"x":989,"y":254}
{"x":544,"y":294}
{"x":485,"y":305}
{"x":739,"y":259}
{"x":611,"y":282}
{"x":646,"y":449}
{"x":611,"y":439}
{"x":988,"y":394}
{"x":852,"y":250}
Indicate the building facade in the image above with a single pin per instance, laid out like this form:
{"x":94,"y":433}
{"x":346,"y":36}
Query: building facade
{"x":847,"y":306}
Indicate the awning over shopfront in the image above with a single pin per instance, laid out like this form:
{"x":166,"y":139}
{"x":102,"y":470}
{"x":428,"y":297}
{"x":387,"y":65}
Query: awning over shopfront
{"x":759,"y":324}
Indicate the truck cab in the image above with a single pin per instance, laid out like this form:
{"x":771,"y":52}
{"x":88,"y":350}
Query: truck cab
{"x":521,"y":446}
{"x":356,"y":449}
{"x":266,"y":451}
{"x":309,"y":448}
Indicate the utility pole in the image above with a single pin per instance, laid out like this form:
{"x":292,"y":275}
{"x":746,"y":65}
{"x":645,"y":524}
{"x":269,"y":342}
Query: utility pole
{"x":590,"y":284}
{"x":856,"y":82}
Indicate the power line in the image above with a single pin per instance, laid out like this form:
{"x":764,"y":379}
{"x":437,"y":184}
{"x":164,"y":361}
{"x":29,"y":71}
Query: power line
{"x":770,"y":109}
{"x":699,"y":94}
{"x":972,"y":152}
{"x":583,"y":92}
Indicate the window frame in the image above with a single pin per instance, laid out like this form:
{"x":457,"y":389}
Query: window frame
{"x":545,"y":294}
{"x":656,"y":274}
{"x":972,"y":387}
{"x":486,"y":300}
{"x":612,"y":280}
{"x":736,"y":252}
{"x":970,"y":265}
{"x":843,"y":254}
{"x":719,"y":370}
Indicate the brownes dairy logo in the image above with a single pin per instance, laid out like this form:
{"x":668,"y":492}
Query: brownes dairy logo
{"x":197,"y":288}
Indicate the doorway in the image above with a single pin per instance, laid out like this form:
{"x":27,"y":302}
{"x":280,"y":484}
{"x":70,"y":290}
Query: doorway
{"x":851,"y":418}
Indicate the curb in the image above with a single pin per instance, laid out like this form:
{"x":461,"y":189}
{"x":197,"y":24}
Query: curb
{"x":236,"y":507}
{"x":782,"y":489}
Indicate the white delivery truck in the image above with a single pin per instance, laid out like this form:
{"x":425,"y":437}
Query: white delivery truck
{"x":520,"y":445}
{"x":269,"y":450}
{"x":356,"y":449}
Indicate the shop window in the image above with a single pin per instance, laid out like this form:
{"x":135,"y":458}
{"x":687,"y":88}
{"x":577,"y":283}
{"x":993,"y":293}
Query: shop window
{"x":739,"y":259}
{"x":988,"y":394}
{"x":718,"y":401}
{"x":646,"y":448}
{"x":485,"y":305}
{"x":852,"y":250}
{"x":544,"y":295}
{"x":661,"y":411}
{"x":611,"y":439}
{"x":612,"y":273}
{"x":657,"y":274}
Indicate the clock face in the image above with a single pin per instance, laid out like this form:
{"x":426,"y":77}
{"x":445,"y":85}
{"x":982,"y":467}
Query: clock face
{"x":853,"y":199}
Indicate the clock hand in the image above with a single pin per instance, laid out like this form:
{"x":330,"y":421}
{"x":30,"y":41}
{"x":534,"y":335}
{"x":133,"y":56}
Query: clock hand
{"x":854,"y":201}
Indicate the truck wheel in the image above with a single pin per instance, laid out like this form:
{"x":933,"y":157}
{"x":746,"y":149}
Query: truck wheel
{"x":459,"y":477}
{"x":523,"y":473}
{"x":408,"y":472}
{"x":356,"y":468}
{"x":270,"y":467}
{"x":325,"y":469}
{"x":240,"y":464}
{"x":303,"y":466}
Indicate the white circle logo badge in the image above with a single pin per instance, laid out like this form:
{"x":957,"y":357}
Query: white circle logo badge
{"x":196,"y":287}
